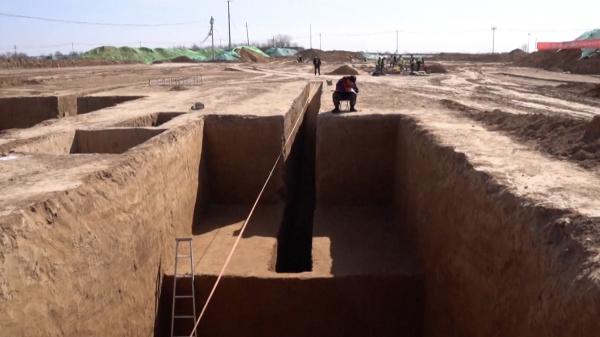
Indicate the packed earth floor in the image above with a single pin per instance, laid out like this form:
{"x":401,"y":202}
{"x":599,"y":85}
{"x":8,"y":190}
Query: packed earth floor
{"x":456,"y":204}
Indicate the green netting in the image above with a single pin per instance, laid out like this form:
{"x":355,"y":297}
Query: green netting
{"x":149,"y":55}
{"x":281,"y":52}
{"x":592,"y":34}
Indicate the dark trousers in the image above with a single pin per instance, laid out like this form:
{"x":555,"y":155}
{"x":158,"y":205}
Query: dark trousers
{"x":344,"y":96}
{"x":317,"y":70}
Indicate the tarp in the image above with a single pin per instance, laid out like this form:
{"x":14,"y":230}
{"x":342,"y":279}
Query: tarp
{"x":594,"y":44}
{"x":590,"y":35}
{"x":149,"y":55}
{"x":281,"y":52}
{"x":588,"y":42}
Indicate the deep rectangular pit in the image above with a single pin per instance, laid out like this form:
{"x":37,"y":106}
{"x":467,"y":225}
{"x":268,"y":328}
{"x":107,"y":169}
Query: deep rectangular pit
{"x":154,"y":119}
{"x":111,"y":141}
{"x":25,"y":112}
{"x":387,"y":194}
{"x":87,"y":104}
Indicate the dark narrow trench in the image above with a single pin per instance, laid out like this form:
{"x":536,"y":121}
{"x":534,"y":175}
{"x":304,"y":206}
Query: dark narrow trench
{"x":294,"y":242}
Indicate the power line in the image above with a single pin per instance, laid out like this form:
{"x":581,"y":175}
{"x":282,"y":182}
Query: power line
{"x":91,"y":23}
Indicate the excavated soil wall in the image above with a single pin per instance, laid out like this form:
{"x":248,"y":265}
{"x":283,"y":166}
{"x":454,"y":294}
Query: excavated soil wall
{"x":86,"y":104}
{"x":494,"y":264}
{"x":300,"y":306}
{"x":240,"y":151}
{"x":89,"y":261}
{"x":355,"y":159}
{"x":24,"y":112}
{"x":111,"y":140}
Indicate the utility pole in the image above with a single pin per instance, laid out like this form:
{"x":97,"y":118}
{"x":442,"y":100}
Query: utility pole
{"x":72,"y":48}
{"x":229,"y":22}
{"x":212,"y":37}
{"x":274,"y":41}
{"x":396,"y":42}
{"x":15,"y":51}
{"x":310,"y":32}
{"x":247,"y":34}
{"x":493,"y":39}
{"x":528,"y":42}
{"x":320,"y":45}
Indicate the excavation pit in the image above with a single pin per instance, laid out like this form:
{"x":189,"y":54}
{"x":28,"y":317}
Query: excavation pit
{"x":87,"y":104}
{"x":372,"y":225}
{"x":106,"y":141}
{"x":396,"y":243}
{"x":25,"y":112}
{"x":154,"y":119}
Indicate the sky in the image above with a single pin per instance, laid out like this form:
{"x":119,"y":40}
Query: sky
{"x":358,"y":25}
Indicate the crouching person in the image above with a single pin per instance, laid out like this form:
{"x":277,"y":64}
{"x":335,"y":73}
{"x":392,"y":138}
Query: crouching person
{"x":345,"y":90}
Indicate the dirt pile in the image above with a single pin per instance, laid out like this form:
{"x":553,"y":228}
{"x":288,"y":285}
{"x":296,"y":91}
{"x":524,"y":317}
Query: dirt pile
{"x":182,"y":59}
{"x":564,"y":137}
{"x":36,"y":63}
{"x":344,"y":70}
{"x":564,"y":60}
{"x":330,"y":56}
{"x":435,"y":68}
{"x":246,"y":55}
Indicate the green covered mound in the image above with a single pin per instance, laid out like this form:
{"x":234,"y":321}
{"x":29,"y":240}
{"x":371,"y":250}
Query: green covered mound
{"x":149,"y":55}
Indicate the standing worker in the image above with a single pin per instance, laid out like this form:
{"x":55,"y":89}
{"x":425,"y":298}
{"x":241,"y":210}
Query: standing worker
{"x":345,"y":90}
{"x":317,"y":64}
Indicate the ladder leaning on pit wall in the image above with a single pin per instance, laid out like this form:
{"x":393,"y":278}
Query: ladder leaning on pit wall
{"x":188,"y":296}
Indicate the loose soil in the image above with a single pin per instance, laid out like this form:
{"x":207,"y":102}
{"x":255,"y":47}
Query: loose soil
{"x":344,"y":70}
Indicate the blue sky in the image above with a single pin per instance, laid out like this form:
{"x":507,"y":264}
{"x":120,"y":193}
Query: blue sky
{"x":424,"y":25}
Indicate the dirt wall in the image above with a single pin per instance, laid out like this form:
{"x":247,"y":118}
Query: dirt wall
{"x":23,"y":112}
{"x":240,"y":153}
{"x":116,"y":140}
{"x":86,"y":104}
{"x":355,"y":161}
{"x":89,"y":261}
{"x":299,"y":307}
{"x":494,"y":264}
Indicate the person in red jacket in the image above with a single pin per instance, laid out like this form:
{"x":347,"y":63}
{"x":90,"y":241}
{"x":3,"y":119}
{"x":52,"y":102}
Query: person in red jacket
{"x":345,"y":90}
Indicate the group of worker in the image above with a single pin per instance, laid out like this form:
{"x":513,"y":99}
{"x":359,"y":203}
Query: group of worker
{"x":416,"y":64}
{"x":346,"y":88}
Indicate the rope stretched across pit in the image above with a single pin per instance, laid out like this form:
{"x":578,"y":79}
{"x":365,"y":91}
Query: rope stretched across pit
{"x":243,"y":228}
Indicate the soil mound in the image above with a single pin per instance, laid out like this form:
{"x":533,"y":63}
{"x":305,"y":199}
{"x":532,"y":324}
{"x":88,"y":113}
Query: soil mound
{"x":330,"y":56}
{"x":246,"y":55}
{"x":563,"y":60}
{"x":182,"y":59}
{"x":344,"y":70}
{"x":435,"y":68}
